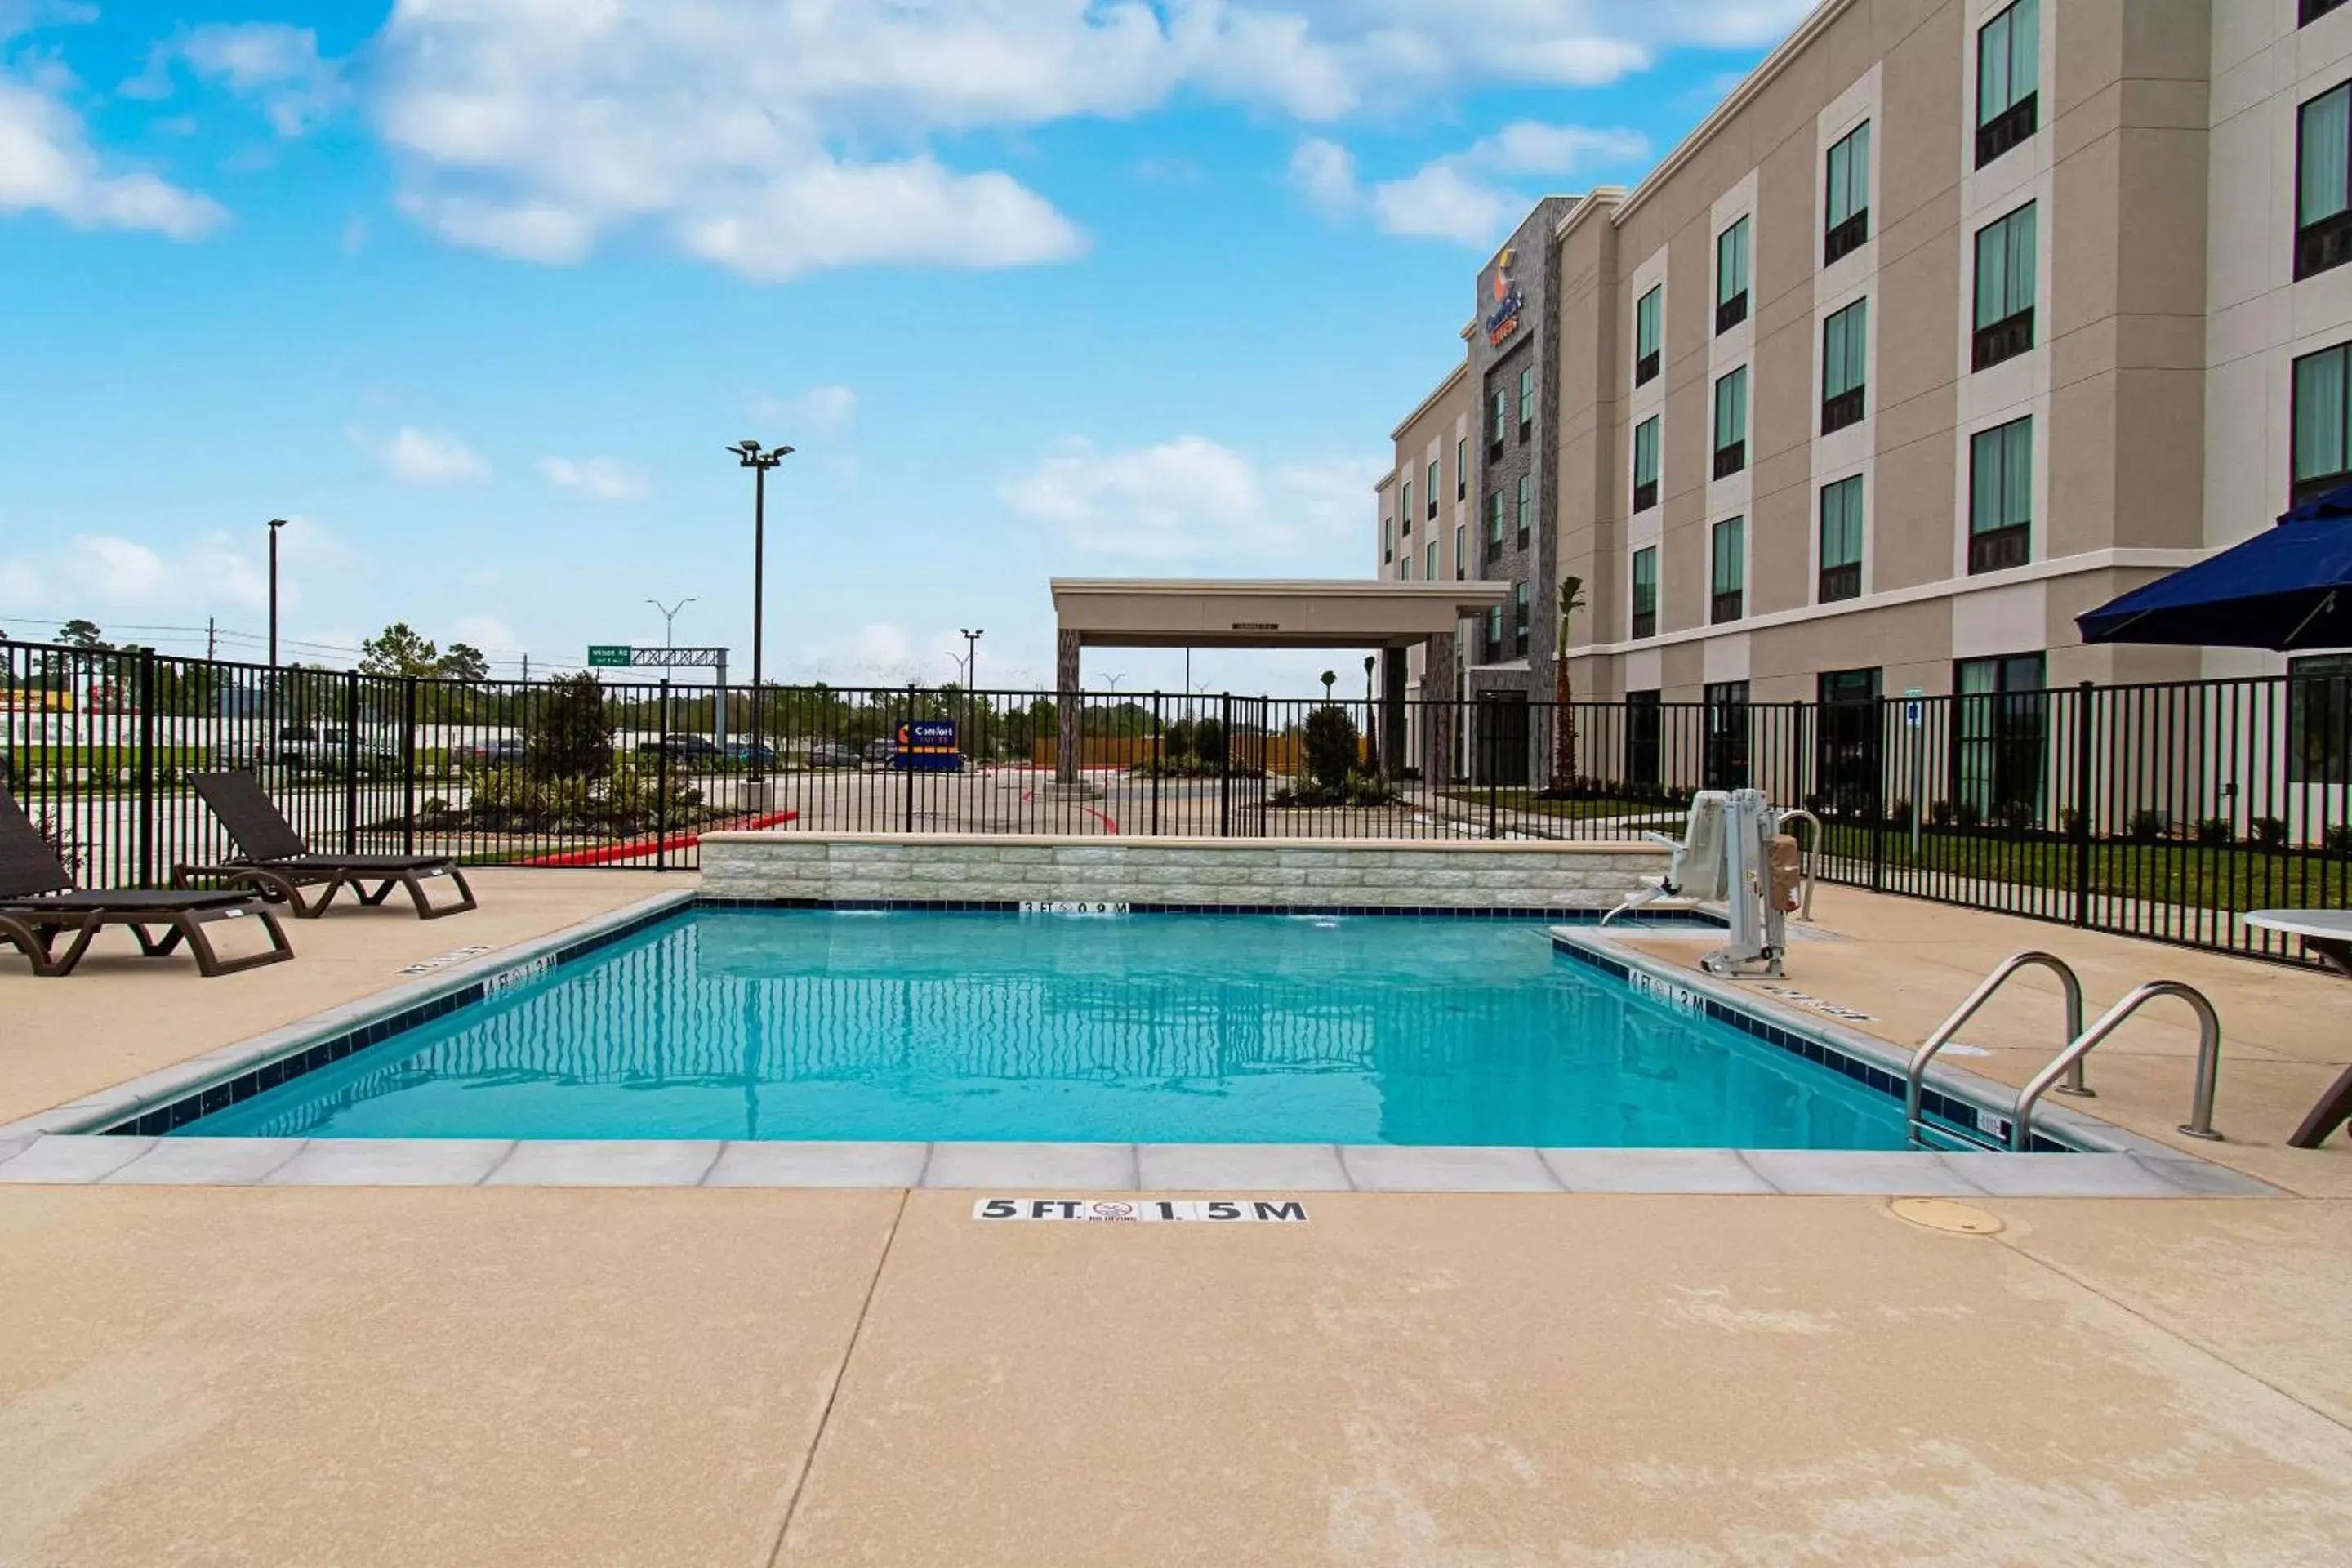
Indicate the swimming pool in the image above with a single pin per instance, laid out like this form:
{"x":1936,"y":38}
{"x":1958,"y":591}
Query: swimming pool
{"x":883,"y":1026}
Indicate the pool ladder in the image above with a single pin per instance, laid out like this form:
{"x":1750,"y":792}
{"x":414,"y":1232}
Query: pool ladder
{"x":2068,"y":1062}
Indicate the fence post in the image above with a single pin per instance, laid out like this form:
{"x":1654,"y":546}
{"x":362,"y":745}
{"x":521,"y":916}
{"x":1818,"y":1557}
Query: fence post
{"x":1487,"y":760}
{"x":147,"y":768}
{"x":408,"y":766}
{"x":2085,"y":726}
{"x":905,"y":759}
{"x":1225,"y":766}
{"x":350,"y":761}
{"x":661,"y":782}
{"x":1158,"y":762}
{"x":1883,"y":799}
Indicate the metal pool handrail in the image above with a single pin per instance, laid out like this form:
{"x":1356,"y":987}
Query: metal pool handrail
{"x":2031,"y":958}
{"x":2208,"y":1059}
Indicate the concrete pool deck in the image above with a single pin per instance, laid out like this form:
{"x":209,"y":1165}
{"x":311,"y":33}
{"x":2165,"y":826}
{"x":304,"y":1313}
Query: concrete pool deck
{"x":569,"y":1375}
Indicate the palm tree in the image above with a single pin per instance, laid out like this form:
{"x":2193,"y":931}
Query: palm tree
{"x":1563,"y":730}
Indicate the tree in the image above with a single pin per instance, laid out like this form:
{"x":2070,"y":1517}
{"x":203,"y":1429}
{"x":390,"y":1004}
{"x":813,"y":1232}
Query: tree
{"x":1329,"y":748}
{"x":570,"y":732}
{"x":1563,"y":730}
{"x":398,"y":649}
{"x":464,"y":662}
{"x":80,"y":633}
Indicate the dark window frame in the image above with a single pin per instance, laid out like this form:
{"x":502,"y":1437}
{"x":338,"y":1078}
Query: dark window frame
{"x":2311,"y":486}
{"x":1851,"y":233}
{"x":1462,"y":469}
{"x":2013,"y":125}
{"x":2310,"y":11}
{"x":1730,"y":309}
{"x":1646,"y":365}
{"x":2319,"y":719}
{"x":2011,"y":758}
{"x":2011,"y":543}
{"x":1435,"y":476}
{"x":1726,"y":604}
{"x":1834,"y":581}
{"x":1525,"y":504}
{"x":1643,"y":618}
{"x":2325,"y":244}
{"x":1522,"y":617}
{"x":1645,"y":491}
{"x":1849,"y":405}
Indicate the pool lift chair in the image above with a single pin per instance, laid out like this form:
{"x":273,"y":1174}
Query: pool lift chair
{"x":1738,"y":851}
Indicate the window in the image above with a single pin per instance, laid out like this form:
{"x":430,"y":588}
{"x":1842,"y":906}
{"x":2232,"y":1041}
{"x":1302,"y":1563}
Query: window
{"x":1429,"y":562}
{"x":2319,"y":719}
{"x":2001,"y":497}
{"x":1462,"y":471}
{"x":1731,"y":276}
{"x":2008,"y":66}
{"x":1404,"y":505}
{"x":1999,"y":717}
{"x":1728,"y":578}
{"x":1387,"y":539}
{"x":2005,"y":312}
{"x":1526,"y":402}
{"x":2323,"y":183}
{"x":1731,"y":423}
{"x":1527,"y":506}
{"x":1646,"y":593}
{"x":1460,"y":551}
{"x":1847,"y":208}
{"x":1725,"y":764}
{"x":1845,"y":363}
{"x":2323,"y":424}
{"x":1497,"y":424}
{"x":1643,"y":728}
{"x":1645,"y":464}
{"x":1840,"y":574}
{"x":1645,"y":334}
{"x":1492,"y":652}
{"x":1519,"y":620}
{"x":2311,"y":11}
{"x":1404,"y":568}
{"x":1494,"y":525}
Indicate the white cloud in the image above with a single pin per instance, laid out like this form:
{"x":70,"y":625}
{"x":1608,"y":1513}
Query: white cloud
{"x":416,"y":456}
{"x":602,"y":479}
{"x":1193,"y":499}
{"x":46,"y":163}
{"x":879,"y":653}
{"x":1324,"y":174}
{"x":97,"y":574}
{"x":276,"y":66}
{"x":780,"y":136}
{"x":484,"y":632}
{"x":1455,"y":197}
{"x":819,"y":411}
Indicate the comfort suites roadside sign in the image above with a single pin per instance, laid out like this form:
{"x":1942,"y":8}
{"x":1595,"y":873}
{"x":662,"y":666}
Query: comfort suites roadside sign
{"x":1503,"y":311}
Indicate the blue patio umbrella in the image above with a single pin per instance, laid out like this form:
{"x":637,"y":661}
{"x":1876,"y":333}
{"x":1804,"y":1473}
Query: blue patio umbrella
{"x":2288,"y":587}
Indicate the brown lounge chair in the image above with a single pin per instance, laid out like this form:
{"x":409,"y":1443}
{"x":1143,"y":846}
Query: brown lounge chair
{"x":38,"y":902}
{"x":276,"y":862}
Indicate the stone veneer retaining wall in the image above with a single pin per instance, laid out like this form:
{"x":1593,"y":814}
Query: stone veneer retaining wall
{"x":1319,"y":872}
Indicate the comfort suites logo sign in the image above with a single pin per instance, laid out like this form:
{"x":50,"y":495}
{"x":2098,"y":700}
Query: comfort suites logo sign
{"x":1503,"y":302}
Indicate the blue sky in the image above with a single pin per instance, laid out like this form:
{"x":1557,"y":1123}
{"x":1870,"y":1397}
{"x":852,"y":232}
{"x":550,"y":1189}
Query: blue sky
{"x":477,"y":291}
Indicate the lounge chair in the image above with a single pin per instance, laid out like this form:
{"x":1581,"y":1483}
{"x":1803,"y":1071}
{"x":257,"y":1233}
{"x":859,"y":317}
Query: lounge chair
{"x":38,"y":903}
{"x":277,"y":862}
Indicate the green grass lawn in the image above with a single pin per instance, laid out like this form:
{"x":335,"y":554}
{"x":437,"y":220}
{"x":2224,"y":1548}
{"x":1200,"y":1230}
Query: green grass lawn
{"x":1527,"y":802}
{"x":2167,"y":871}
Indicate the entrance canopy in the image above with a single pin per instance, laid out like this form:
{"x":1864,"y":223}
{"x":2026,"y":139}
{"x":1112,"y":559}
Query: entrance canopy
{"x":1141,"y":612}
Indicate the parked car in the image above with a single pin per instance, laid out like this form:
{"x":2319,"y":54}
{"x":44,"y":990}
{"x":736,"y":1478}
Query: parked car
{"x":743,"y":754}
{"x":323,"y":749}
{"x":831,"y":754}
{"x":501,"y":751}
{"x":882,"y":750}
{"x":681,"y":749}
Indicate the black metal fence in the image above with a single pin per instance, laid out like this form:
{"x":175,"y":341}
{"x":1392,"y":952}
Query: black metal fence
{"x":2164,"y":811}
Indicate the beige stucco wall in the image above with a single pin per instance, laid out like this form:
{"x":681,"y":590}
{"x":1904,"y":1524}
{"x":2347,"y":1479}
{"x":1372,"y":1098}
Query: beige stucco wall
{"x":1015,"y":868}
{"x":1431,"y":434}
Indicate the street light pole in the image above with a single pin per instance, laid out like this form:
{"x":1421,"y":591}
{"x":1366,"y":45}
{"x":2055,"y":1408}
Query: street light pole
{"x":750,"y":456}
{"x":972,"y":636}
{"x":275,"y":524}
{"x":669,"y":620}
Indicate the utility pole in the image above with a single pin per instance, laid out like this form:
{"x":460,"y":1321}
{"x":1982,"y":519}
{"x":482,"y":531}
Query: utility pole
{"x":211,"y":633}
{"x":275,"y":524}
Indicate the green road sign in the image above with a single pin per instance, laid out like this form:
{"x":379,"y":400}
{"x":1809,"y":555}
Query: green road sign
{"x":609,"y":656}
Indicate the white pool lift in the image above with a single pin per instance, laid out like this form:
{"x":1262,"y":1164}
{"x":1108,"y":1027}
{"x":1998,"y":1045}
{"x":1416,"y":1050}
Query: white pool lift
{"x":1736,"y":850}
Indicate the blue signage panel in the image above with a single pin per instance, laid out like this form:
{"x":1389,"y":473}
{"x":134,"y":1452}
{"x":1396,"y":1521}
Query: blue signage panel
{"x":928,"y":746}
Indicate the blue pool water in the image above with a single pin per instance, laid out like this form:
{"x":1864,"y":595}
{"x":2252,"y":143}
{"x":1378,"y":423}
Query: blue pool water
{"x":1145,"y":1028}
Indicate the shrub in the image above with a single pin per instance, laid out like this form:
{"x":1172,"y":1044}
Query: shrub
{"x":571,"y":730}
{"x":2338,"y":840}
{"x":2071,"y":821}
{"x":1939,"y":814}
{"x":2215,"y":832}
{"x":1328,"y":743}
{"x":2146,"y":826}
{"x":2270,"y":832}
{"x":1969,"y":814}
{"x":1898,"y":813}
{"x":2016,"y":816}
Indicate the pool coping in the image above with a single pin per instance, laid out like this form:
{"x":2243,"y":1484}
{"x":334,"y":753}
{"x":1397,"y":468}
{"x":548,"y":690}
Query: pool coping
{"x":72,"y":1143}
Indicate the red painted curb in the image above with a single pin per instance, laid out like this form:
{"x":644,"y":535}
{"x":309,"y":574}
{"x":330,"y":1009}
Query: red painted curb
{"x":612,"y":852}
